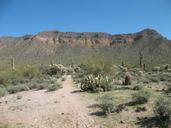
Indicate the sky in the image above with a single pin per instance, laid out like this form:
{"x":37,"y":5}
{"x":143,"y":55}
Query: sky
{"x":21,"y":17}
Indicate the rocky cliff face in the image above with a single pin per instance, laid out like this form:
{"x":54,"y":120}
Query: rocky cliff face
{"x":90,"y":39}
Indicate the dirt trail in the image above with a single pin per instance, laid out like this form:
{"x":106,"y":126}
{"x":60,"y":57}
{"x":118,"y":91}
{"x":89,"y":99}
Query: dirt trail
{"x":39,"y":109}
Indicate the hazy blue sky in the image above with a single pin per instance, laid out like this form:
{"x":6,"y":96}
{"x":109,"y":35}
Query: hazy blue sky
{"x":20,"y":17}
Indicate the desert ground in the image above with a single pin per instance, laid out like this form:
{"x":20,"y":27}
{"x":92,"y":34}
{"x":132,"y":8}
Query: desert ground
{"x":64,"y":108}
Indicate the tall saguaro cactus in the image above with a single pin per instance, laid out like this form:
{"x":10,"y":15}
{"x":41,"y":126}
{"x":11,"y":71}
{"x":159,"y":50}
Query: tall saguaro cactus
{"x":13,"y":63}
{"x":141,"y":59}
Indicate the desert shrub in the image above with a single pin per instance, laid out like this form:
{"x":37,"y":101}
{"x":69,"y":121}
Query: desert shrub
{"x":168,"y":87}
{"x":154,"y":79}
{"x":41,"y":86}
{"x":63,"y":79}
{"x":54,"y":87}
{"x":140,"y":109}
{"x":78,"y":76}
{"x":3,"y":91}
{"x":30,"y":72}
{"x":93,"y":83}
{"x":32,"y":85}
{"x":96,"y":65}
{"x":107,"y":103}
{"x":9,"y":76}
{"x":70,"y":71}
{"x":14,"y":89}
{"x":165,"y":77}
{"x":56,"y":69}
{"x":137,"y":87}
{"x":1,"y":80}
{"x":141,"y":97}
{"x":156,"y":69}
{"x":105,"y":83}
{"x":162,"y":107}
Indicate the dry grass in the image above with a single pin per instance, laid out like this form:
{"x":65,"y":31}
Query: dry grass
{"x":129,"y":117}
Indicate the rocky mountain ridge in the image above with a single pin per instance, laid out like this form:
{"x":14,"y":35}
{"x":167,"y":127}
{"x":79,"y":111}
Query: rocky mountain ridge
{"x":73,"y":45}
{"x":86,"y":38}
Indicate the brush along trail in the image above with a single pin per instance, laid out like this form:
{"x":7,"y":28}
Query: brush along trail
{"x":40,"y":109}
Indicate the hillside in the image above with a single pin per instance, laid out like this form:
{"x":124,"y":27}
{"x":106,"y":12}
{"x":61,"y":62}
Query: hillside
{"x":65,"y":47}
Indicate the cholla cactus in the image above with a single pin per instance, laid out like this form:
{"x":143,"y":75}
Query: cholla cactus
{"x":95,"y":83}
{"x":57,"y":69}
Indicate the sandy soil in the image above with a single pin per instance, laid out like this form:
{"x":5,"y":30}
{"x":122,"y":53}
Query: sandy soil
{"x":41,"y":109}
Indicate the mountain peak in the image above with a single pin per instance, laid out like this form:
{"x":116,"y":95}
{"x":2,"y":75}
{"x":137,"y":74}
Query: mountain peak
{"x":149,"y":31}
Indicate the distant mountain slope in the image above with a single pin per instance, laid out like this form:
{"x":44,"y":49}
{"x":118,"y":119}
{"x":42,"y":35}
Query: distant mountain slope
{"x":53,"y":44}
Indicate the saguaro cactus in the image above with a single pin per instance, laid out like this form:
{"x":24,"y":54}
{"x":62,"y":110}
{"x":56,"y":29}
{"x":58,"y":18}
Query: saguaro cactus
{"x":144,"y":66}
{"x":51,"y":62}
{"x":122,"y":63}
{"x":13,"y":63}
{"x":141,"y":59}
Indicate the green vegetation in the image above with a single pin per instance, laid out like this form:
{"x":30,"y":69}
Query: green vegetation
{"x":3,"y":91}
{"x":63,"y":79}
{"x":26,"y":77}
{"x":97,"y":72}
{"x":54,"y":87}
{"x":17,"y":88}
{"x":162,"y":107}
{"x":141,"y":97}
{"x":10,"y":76}
{"x":137,"y":87}
{"x":97,"y":65}
{"x":98,"y":83}
{"x":140,"y":109}
{"x":107,"y":104}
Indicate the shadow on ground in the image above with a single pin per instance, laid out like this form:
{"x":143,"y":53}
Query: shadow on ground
{"x":94,"y":106}
{"x":77,"y":91}
{"x":154,"y":122}
{"x":98,"y":113}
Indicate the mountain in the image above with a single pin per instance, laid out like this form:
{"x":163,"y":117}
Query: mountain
{"x":71,"y":44}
